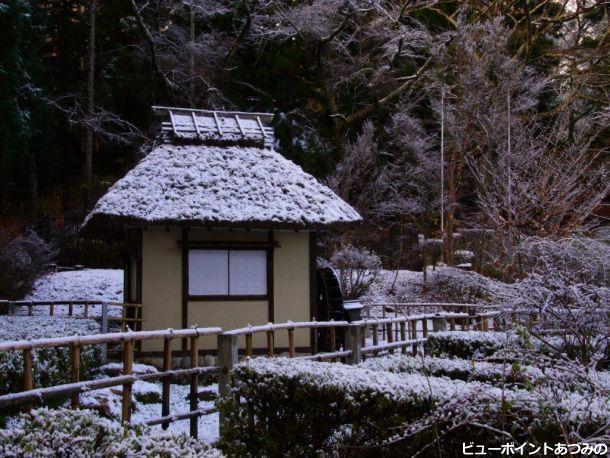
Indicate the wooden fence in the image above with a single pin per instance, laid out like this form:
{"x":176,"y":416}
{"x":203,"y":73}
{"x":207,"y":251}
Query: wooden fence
{"x":401,"y":332}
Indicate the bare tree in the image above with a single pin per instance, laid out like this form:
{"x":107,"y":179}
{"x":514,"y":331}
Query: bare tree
{"x":544,"y":188}
{"x":476,"y":73}
{"x":90,"y":103}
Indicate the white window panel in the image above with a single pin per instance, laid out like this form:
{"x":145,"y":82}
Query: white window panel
{"x":208,"y":272}
{"x":247,"y":272}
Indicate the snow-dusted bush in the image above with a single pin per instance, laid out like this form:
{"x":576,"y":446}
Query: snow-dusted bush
{"x":146,"y":392}
{"x":51,"y":366}
{"x":357,"y":267}
{"x":23,"y":260}
{"x":568,"y":284}
{"x":297,"y":407}
{"x":467,"y":344}
{"x":457,"y":285}
{"x":82,"y":433}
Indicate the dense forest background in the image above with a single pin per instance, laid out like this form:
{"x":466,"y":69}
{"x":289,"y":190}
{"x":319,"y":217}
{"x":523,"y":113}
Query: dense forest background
{"x":362,"y":92}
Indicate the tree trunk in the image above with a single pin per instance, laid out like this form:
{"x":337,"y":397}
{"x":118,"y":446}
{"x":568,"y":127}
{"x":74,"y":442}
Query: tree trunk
{"x":192,"y":57}
{"x":33,"y":185}
{"x":90,"y":107}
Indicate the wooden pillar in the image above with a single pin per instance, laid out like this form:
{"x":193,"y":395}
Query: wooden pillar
{"x":352,"y":342}
{"x":439,"y":324}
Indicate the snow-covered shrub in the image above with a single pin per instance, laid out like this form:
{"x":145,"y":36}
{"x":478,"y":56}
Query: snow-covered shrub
{"x":297,"y":407}
{"x":449,"y":284}
{"x":146,"y":392}
{"x":22,"y":260}
{"x":51,"y":366}
{"x":466,"y":344}
{"x":357,"y":267}
{"x":393,"y":286}
{"x":82,"y":433}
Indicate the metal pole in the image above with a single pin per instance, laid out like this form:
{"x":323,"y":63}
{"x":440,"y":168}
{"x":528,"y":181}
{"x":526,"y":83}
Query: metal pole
{"x":443,"y":169}
{"x":510,"y":198}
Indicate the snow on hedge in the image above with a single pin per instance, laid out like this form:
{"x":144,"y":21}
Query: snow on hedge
{"x":284,"y":399}
{"x":479,"y":344}
{"x":461,"y":369}
{"x":82,"y":433}
{"x":50,"y":365}
{"x":38,"y":327}
{"x":355,"y":382}
{"x":467,"y":344}
{"x":222,"y":185}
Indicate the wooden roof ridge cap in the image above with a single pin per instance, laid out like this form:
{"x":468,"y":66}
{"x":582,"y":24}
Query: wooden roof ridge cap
{"x":163,"y":110}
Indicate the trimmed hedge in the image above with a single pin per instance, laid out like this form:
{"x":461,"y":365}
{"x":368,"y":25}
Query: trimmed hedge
{"x":298,"y":407}
{"x":460,"y":369}
{"x":82,"y":433}
{"x":467,"y":344}
{"x":51,"y":366}
{"x":497,"y":374}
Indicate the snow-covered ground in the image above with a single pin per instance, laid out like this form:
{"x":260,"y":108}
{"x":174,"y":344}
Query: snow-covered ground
{"x":109,"y":401}
{"x":87,"y":284}
{"x":104,"y":285}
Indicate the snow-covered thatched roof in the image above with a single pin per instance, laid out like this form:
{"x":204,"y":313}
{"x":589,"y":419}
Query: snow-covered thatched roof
{"x":235,"y":186}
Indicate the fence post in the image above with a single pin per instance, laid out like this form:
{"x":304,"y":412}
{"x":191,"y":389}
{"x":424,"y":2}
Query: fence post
{"x":403,"y":336}
{"x":75,"y":375}
{"x":104,"y":331}
{"x":227,"y":358}
{"x":127,"y":387}
{"x":27,"y":375}
{"x":167,"y":366}
{"x":291,"y":343}
{"x":439,"y":323}
{"x":353,"y":341}
{"x":194,"y":399}
{"x":5,"y":308}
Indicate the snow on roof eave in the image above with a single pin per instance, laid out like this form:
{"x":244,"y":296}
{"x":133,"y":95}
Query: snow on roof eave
{"x":97,"y":222}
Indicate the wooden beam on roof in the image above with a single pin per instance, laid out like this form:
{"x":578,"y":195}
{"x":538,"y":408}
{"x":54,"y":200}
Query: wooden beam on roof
{"x":196,"y":125}
{"x":217,"y":123}
{"x":171,"y":118}
{"x":260,"y":125}
{"x":241,"y":129}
